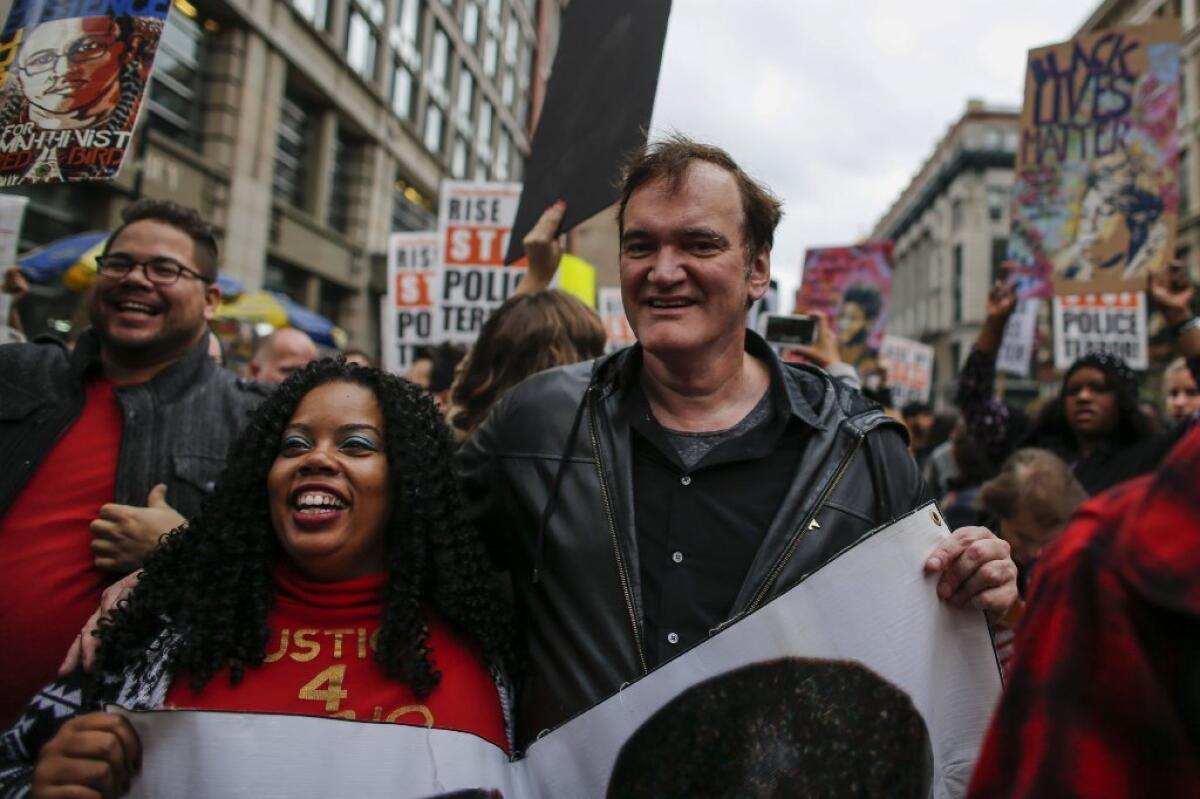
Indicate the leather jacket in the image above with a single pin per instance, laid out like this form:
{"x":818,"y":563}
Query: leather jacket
{"x":547,"y":478}
{"x":177,"y":426}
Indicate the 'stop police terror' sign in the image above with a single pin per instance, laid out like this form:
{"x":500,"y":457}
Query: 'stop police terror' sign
{"x":1113,"y":323}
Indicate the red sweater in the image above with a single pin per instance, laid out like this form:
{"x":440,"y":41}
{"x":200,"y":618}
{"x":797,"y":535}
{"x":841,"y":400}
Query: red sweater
{"x":46,"y":550}
{"x":321,"y":662}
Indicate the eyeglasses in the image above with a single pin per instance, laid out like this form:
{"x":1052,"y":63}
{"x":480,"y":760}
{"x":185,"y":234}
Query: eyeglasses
{"x":79,"y":52}
{"x":161,"y":271}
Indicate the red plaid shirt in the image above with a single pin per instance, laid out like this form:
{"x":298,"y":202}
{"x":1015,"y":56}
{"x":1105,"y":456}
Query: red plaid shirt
{"x":1104,"y":694}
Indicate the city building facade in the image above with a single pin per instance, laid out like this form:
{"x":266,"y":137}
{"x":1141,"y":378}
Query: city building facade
{"x":309,"y":130}
{"x":950,"y":228}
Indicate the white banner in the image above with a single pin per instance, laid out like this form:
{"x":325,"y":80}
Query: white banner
{"x":474,"y":222}
{"x":910,"y":369}
{"x":410,"y":315}
{"x":872,"y":605}
{"x":612,"y":314}
{"x":1112,"y":322}
{"x":1020,"y":334}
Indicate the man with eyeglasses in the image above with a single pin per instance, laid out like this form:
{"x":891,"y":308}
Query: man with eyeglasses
{"x":98,"y":441}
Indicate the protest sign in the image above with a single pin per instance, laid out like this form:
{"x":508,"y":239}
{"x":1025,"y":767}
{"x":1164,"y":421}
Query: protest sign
{"x":12,"y":212}
{"x":1114,"y":323}
{"x":870,"y":613}
{"x":474,"y":222}
{"x":853,"y":287}
{"x":72,"y":76}
{"x":616,"y":324}
{"x":909,"y":369}
{"x":1095,"y":199}
{"x":1020,"y":334}
{"x":598,"y":103}
{"x":409,"y":318}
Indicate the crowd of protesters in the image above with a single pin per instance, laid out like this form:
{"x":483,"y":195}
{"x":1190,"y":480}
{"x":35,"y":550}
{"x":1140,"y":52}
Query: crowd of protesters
{"x":510,"y":534}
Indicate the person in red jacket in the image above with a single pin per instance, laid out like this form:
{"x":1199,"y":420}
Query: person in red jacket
{"x":345,"y":585}
{"x":1103,"y":697}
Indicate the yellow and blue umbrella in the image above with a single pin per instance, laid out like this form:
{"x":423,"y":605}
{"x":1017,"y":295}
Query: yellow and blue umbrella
{"x":279,"y":310}
{"x":53,"y":261}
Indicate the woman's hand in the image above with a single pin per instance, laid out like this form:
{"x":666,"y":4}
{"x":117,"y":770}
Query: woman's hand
{"x":1001,"y":302}
{"x":1172,"y":292}
{"x":542,"y":250}
{"x":95,"y":755}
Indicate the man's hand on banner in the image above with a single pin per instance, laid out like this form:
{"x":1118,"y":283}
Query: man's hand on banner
{"x":92,"y":755}
{"x":124,"y":535}
{"x":976,"y":568}
{"x":542,"y":250}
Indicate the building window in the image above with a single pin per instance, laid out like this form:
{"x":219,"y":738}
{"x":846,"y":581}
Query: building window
{"x":315,"y":11}
{"x":293,"y":151}
{"x":362,"y":43}
{"x":512,"y":38}
{"x":503,"y":154}
{"x":458,"y":159}
{"x":411,"y":210}
{"x":465,"y":102}
{"x":491,"y":55}
{"x":439,"y":58}
{"x":470,"y":24}
{"x":176,"y":93}
{"x":956,"y":214}
{"x":507,"y":89}
{"x":997,"y":200}
{"x":341,"y":190}
{"x":484,"y":141}
{"x":493,"y":13}
{"x":402,"y":90}
{"x":286,"y":279}
{"x":999,"y":256}
{"x":1185,"y":182}
{"x":957,"y":287}
{"x":406,"y":34}
{"x":434,"y":125}
{"x":330,"y":299}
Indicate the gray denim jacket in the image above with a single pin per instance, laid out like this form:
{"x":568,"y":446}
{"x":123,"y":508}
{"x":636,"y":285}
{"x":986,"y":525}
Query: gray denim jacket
{"x":177,"y":427}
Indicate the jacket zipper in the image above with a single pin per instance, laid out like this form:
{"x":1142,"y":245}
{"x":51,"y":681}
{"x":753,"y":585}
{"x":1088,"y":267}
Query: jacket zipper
{"x":612,"y":530}
{"x":773,"y":575}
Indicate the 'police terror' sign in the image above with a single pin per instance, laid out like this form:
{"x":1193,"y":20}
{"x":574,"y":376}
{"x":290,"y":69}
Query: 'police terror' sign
{"x":473,"y":228}
{"x":410,"y":316}
{"x":1114,"y":323}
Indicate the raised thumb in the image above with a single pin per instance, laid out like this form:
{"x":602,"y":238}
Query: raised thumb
{"x":157,"y":497}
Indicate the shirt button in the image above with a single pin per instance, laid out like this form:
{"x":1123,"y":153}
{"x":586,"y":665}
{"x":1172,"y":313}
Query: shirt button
{"x":672,"y":638}
{"x":686,"y":480}
{"x":677,"y":557}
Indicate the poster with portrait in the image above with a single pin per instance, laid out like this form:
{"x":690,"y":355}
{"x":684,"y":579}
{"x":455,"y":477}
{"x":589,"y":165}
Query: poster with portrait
{"x":72,"y":76}
{"x":410,"y":307}
{"x":1095,"y":199}
{"x":853,"y":287}
{"x":474,"y":222}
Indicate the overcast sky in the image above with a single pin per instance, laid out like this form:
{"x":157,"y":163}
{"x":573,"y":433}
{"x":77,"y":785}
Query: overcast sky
{"x":835,"y":104}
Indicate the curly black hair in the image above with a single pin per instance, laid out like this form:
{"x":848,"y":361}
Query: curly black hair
{"x":210,"y":582}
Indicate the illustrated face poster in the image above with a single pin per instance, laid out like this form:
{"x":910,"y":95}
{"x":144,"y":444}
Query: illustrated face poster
{"x":72,"y":75}
{"x":1096,"y":201}
{"x":853,"y":287}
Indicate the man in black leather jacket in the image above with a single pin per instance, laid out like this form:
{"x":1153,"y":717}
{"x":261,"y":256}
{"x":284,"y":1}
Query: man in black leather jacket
{"x":581,"y":471}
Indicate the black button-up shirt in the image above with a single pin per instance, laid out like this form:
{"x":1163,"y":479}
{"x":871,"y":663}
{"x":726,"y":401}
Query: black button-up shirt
{"x":698,"y":530}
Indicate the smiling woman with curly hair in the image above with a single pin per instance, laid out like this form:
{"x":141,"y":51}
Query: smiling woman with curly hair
{"x":330,"y":574}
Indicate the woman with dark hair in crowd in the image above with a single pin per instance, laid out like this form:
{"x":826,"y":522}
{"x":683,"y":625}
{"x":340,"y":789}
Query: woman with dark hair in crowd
{"x":336,"y":532}
{"x":1094,"y":423}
